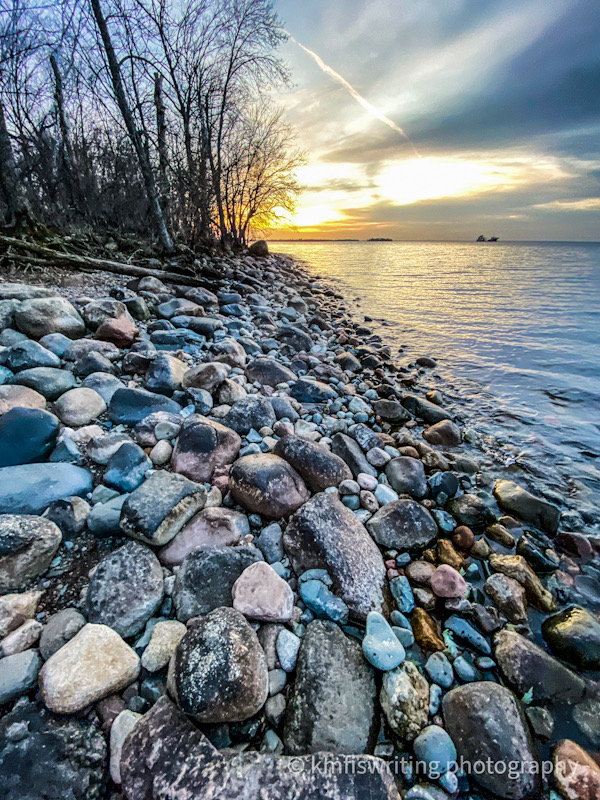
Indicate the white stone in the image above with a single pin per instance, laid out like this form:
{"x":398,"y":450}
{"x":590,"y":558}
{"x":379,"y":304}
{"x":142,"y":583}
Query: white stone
{"x":21,"y":639}
{"x":259,"y":593}
{"x":120,"y":730}
{"x":79,"y":407}
{"x":161,"y":453}
{"x":163,"y":642}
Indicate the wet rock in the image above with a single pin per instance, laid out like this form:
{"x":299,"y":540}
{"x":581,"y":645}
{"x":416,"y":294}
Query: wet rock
{"x":444,"y":433}
{"x":574,"y":635}
{"x":191,"y":764}
{"x":211,"y":527}
{"x":576,"y":773}
{"x":471,"y":511}
{"x":251,"y":412}
{"x":18,"y":674}
{"x":485,"y":720}
{"x":324,"y":534}
{"x":402,"y":525}
{"x":48,"y":381}
{"x":26,"y":435}
{"x":130,"y":406}
{"x":516,"y":567}
{"x":79,"y":407}
{"x":332,"y":706}
{"x":391,"y":411}
{"x":407,"y":476}
{"x":260,"y":593}
{"x":51,"y":758}
{"x":513,"y":499}
{"x":435,"y":749}
{"x":219,"y":670}
{"x":206,"y":578}
{"x":267,"y":485}
{"x":40,"y":316}
{"x":381,"y":647}
{"x":126,"y":468}
{"x":419,"y":407}
{"x":526,"y":666}
{"x":318,"y":467}
{"x":586,"y":716}
{"x":447,"y":582}
{"x":404,"y":698}
{"x":27,"y":546}
{"x":126,"y":589}
{"x":95,"y":663}
{"x":202,"y":447}
{"x":269,"y":372}
{"x":60,"y":628}
{"x":426,"y":632}
{"x":509,"y":596}
{"x":166,"y":635}
{"x":158,"y":509}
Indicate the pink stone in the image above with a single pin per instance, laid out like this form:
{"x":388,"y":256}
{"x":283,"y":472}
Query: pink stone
{"x":211,"y":527}
{"x":447,"y":582}
{"x":259,"y":593}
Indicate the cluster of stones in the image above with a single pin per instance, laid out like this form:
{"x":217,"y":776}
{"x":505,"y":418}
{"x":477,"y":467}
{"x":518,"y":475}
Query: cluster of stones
{"x":233,"y":531}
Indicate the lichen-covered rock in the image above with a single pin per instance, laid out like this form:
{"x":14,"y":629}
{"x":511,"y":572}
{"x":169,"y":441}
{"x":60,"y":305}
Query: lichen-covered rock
{"x":40,"y":316}
{"x":402,"y":525}
{"x":404,"y":698}
{"x":27,"y":546}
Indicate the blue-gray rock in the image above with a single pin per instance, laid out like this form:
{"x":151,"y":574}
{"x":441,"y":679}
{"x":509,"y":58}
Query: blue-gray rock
{"x":29,"y":354}
{"x":130,"y":406}
{"x":27,"y":546}
{"x":349,"y":450}
{"x":403,"y":525}
{"x":59,"y":629}
{"x":287,"y":646}
{"x":104,"y":519}
{"x":30,"y":488}
{"x":250,"y":412}
{"x":126,"y":468}
{"x":165,"y":374}
{"x":419,"y":407}
{"x":402,"y":594}
{"x":434,"y":748}
{"x":283,"y":409}
{"x":407,"y":476}
{"x":270,"y":543}
{"x":322,"y":602}
{"x":6,"y":376}
{"x":381,"y":647}
{"x":48,"y":381}
{"x":439,"y":670}
{"x":269,"y":372}
{"x":104,"y":383}
{"x":467,"y":633}
{"x":18,"y":674}
{"x":57,"y":343}
{"x":26,"y":435}
{"x":307,"y":391}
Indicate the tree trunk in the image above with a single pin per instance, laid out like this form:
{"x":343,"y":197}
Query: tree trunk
{"x":67,"y":151}
{"x":161,"y":132}
{"x":134,"y":135}
{"x":19,"y":210}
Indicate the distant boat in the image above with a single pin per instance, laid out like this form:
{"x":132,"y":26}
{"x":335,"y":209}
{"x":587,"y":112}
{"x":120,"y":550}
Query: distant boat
{"x":380,"y":240}
{"x":483,"y":239}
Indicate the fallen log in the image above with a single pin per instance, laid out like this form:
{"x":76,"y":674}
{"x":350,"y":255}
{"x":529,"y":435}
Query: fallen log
{"x":48,"y":258}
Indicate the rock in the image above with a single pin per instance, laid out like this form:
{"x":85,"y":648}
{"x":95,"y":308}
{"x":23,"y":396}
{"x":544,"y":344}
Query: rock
{"x":26,"y":435}
{"x":513,"y":499}
{"x":104,"y":383}
{"x":509,"y":597}
{"x":270,"y":543}
{"x":574,"y":635}
{"x":485,"y":722}
{"x":165,"y":374}
{"x":206,"y":376}
{"x":259,"y":593}
{"x":251,"y":412}
{"x":576,"y":773}
{"x":70,"y":514}
{"x":178,"y":307}
{"x":79,"y":407}
{"x":95,"y":663}
{"x":15,"y":609}
{"x":126,"y":589}
{"x":269,"y":372}
{"x":30,"y":488}
{"x":324,"y":534}
{"x":439,"y":670}
{"x":447,"y":582}
{"x":98,"y":311}
{"x":211,"y":527}
{"x":317,"y":597}
{"x":43,"y":757}
{"x":317,"y":466}
{"x":48,"y":381}
{"x":60,"y":628}
{"x":444,"y":433}
{"x":434,"y":748}
{"x":192,"y":766}
{"x":380,"y":645}
{"x":166,"y":635}
{"x":119,"y":731}
{"x":349,"y":450}
{"x":158,"y":509}
{"x":470,"y":511}
{"x":267,"y":485}
{"x":161,"y":453}
{"x":259,"y":249}
{"x":516,"y":567}
{"x":426,"y":632}
{"x":21,"y":639}
{"x":27,"y":354}
{"x":40,"y":316}
{"x":19,"y":397}
{"x":120,"y":331}
{"x":419,"y":407}
{"x":305,"y":391}
{"x":127,"y":467}
{"x":202,"y":447}
{"x":130,"y":406}
{"x":294,"y":338}
{"x":391,"y":411}
{"x":206,"y":578}
{"x":525,"y":667}
{"x":407,"y":476}
{"x":219,"y":670}
{"x":332,"y":707}
{"x":18,"y":674}
{"x":404,"y":699}
{"x":402,"y":525}
{"x":27,"y":546}
{"x":104,"y":519}
{"x":83,"y":347}
{"x":287,"y":646}
{"x":586,"y":716}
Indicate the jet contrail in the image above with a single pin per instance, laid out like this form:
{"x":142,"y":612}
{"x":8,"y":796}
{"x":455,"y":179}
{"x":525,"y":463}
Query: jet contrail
{"x":352,"y":91}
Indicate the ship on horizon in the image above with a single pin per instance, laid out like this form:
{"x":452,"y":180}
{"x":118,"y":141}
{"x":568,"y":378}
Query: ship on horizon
{"x":483,"y":239}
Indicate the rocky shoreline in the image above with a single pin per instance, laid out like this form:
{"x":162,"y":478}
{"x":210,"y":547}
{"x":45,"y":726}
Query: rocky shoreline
{"x":244,"y":554}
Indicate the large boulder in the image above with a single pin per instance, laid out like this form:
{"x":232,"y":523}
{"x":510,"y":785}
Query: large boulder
{"x":30,"y":488}
{"x":574,"y":635}
{"x":26,"y":435}
{"x":206,"y":578}
{"x":202,"y":446}
{"x":96,"y":662}
{"x":126,"y":589}
{"x":212,"y":527}
{"x":267,"y":485}
{"x":486,"y":721}
{"x":332,"y":707}
{"x":40,"y":316}
{"x":318,"y":467}
{"x":324,"y":534}
{"x":218,"y":672}
{"x":513,"y":499}
{"x":158,"y":509}
{"x":27,"y":546}
{"x":167,"y":756}
{"x":130,"y":406}
{"x":402,"y":525}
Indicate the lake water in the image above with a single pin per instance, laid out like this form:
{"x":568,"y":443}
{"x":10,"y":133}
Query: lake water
{"x":515,"y":328}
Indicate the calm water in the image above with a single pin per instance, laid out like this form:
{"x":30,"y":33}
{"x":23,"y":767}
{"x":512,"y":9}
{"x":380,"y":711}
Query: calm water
{"x":515,"y":328}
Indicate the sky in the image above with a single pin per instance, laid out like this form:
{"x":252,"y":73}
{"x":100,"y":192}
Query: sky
{"x":445,"y":119}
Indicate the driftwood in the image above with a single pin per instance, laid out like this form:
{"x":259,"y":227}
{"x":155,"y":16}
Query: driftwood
{"x":46,"y":257}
